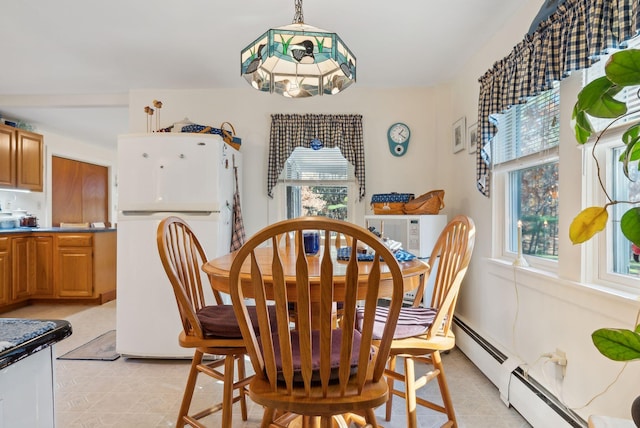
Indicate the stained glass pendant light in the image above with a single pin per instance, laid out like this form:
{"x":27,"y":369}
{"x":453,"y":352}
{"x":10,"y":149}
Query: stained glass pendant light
{"x":298,"y":60}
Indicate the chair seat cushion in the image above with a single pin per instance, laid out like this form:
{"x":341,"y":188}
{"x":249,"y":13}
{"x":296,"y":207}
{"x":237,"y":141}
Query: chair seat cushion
{"x":221,"y":321}
{"x":411,"y":321}
{"x":336,"y":338}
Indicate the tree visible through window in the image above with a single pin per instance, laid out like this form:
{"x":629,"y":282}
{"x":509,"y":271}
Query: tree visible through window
{"x":537,"y":208}
{"x":525,"y":151}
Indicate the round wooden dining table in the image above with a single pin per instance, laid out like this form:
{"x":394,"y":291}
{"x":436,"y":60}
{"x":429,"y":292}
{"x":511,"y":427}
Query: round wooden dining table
{"x":413,"y":271}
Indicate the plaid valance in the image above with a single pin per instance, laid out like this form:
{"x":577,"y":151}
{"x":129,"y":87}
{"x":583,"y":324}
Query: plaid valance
{"x":571,"y":39}
{"x":289,"y":131}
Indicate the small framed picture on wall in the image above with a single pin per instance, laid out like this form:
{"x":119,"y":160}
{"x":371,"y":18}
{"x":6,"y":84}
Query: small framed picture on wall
{"x":472,"y":133}
{"x":459,"y":137}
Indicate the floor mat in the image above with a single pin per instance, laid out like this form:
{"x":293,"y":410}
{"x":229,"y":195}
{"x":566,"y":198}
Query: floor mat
{"x":101,"y":348}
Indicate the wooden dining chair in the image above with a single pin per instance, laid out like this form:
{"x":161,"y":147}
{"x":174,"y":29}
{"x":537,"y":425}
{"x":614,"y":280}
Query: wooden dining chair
{"x":423,"y":332}
{"x":325,"y":374}
{"x":208,"y":327}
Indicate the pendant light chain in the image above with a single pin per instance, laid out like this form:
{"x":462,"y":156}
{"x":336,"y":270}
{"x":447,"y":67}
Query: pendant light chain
{"x":298,"y":18}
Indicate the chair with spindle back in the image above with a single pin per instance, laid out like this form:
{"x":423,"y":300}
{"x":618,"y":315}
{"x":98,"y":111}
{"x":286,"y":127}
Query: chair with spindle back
{"x":423,"y":332}
{"x":208,"y":327}
{"x":326,"y":372}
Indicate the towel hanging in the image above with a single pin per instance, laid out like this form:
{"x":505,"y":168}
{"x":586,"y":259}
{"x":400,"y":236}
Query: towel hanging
{"x":237,"y":225}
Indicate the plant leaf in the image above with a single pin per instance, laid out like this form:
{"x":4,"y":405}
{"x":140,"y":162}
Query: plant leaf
{"x":607,"y":107}
{"x":631,"y":134}
{"x":592,"y":92}
{"x":617,"y":344}
{"x":596,"y":99}
{"x":582,"y":125}
{"x":623,"y":68}
{"x":630,"y":154}
{"x":630,"y":225}
{"x":586,"y":224}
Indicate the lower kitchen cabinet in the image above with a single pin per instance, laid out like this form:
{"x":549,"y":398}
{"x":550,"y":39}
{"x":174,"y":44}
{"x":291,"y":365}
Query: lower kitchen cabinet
{"x":85,"y":266}
{"x":73,"y":271}
{"x":31,"y":267}
{"x":43,"y":279}
{"x":5,"y":269}
{"x":63,"y":266}
{"x":23,"y":268}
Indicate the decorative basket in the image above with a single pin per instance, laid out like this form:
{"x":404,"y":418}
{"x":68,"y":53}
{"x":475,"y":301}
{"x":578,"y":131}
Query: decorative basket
{"x":390,"y":203}
{"x":429,"y":203}
{"x":228,"y":136}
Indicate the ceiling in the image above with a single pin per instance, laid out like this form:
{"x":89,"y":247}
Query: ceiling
{"x":68,"y":64}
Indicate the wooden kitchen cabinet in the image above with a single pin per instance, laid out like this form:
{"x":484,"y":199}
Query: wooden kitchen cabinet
{"x":85,"y":266}
{"x":74,"y":265}
{"x":43,"y":277}
{"x":57,"y":266}
{"x":21,"y":159}
{"x":5,"y":269}
{"x":23,"y":268}
{"x":7,"y":156}
{"x":31,"y":267}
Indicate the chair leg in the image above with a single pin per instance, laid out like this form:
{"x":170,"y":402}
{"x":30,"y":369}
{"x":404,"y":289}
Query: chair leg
{"x":370,"y":417}
{"x":390,"y":382}
{"x":326,"y":422}
{"x":410,"y":391}
{"x":267,"y":417}
{"x":227,"y":395}
{"x":243,"y":392}
{"x":444,"y":388}
{"x":189,"y":388}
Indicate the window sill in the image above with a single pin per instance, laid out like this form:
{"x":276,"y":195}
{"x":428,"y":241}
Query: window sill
{"x":586,"y":294}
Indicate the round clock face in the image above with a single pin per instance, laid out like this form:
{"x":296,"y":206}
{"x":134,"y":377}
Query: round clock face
{"x":399,"y":133}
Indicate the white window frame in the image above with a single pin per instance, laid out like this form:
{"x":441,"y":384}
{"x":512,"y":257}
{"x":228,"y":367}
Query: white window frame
{"x":280,"y":194}
{"x":502,"y":224}
{"x":601,"y":257}
{"x":501,"y":210}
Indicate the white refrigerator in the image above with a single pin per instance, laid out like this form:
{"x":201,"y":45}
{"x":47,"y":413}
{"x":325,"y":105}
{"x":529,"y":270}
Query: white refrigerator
{"x":162,"y":174}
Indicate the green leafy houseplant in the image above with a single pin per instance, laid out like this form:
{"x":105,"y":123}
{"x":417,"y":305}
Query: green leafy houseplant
{"x":597,"y":99}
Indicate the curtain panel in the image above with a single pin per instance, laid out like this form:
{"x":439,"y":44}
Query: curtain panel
{"x":572,"y":38}
{"x":289,"y":131}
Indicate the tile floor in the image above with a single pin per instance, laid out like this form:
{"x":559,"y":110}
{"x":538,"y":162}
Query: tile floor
{"x":147,"y":393}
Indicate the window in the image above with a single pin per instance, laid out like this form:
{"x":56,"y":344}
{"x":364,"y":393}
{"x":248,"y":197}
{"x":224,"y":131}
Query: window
{"x":318,"y":183}
{"x":617,"y":258}
{"x":628,"y":94}
{"x":626,"y":255}
{"x":525,"y":156}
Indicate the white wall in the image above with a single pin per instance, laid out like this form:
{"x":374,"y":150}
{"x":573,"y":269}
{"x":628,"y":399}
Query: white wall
{"x":250,"y":113}
{"x":524,"y":312}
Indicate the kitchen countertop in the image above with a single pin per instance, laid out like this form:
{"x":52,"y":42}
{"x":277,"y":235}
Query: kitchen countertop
{"x":58,"y":230}
{"x":60,"y":331}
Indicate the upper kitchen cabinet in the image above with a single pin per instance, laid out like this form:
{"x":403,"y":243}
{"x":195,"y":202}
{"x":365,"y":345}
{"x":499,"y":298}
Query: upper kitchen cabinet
{"x":21,"y":159}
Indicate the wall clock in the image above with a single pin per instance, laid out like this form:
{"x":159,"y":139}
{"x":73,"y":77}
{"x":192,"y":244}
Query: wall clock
{"x":398,"y":137}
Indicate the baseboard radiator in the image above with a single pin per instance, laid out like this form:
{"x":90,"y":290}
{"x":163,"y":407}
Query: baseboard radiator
{"x":535,"y":403}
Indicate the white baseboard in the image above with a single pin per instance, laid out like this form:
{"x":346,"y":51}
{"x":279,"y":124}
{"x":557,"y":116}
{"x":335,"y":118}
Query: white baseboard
{"x":527,"y":396}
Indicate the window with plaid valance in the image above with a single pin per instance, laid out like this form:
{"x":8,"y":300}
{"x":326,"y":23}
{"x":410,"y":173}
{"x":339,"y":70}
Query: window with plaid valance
{"x":571,"y":39}
{"x":289,"y":131}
